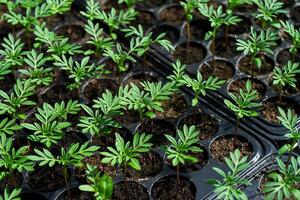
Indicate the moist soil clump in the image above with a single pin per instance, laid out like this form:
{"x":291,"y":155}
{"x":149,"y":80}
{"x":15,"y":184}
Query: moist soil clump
{"x":205,"y":123}
{"x":139,"y":79}
{"x":96,"y":87}
{"x":222,"y":69}
{"x":284,"y":56}
{"x":166,"y":189}
{"x":246,"y":66}
{"x":135,"y":191}
{"x":128,"y":117}
{"x":147,"y":19}
{"x":238,"y":84}
{"x":194,"y":54}
{"x":173,"y":15}
{"x":270,"y":111}
{"x":225,"y":50}
{"x":151,"y":165}
{"x":10,"y":182}
{"x":74,"y":32}
{"x":295,"y":14}
{"x":172,"y":34}
{"x":158,"y":128}
{"x":59,"y":93}
{"x":46,"y":179}
{"x":222,"y":146}
{"x":76,"y":194}
{"x":173,"y":107}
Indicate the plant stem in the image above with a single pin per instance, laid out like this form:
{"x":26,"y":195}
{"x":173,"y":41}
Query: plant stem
{"x":125,"y":179}
{"x":65,"y":172}
{"x":290,"y":154}
{"x":177,"y":181}
{"x":13,"y":178}
{"x":142,"y":120}
{"x":235,"y":130}
{"x":188,"y":29}
{"x":213,"y":49}
{"x":144,"y":62}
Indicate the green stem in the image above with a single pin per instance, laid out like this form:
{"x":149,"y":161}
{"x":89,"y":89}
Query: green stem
{"x":177,"y":181}
{"x":235,"y":131}
{"x":65,"y":172}
{"x":188,"y":29}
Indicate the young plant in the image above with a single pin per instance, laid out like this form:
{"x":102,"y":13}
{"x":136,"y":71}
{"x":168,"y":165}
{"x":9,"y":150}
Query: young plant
{"x":100,"y":121}
{"x":99,"y":183}
{"x":178,"y":74}
{"x":243,"y":105}
{"x":147,"y":100}
{"x":97,"y":39}
{"x":179,"y":151}
{"x":256,"y":45}
{"x":72,"y":156}
{"x":13,"y":160}
{"x":14,"y":195}
{"x":18,"y":98}
{"x":227,"y":188}
{"x":48,"y":130}
{"x":9,"y":127}
{"x":12,"y":51}
{"x":294,"y":34}
{"x":113,"y":19}
{"x":268,"y":11}
{"x":285,"y":76}
{"x":217,"y":18}
{"x":289,"y":120}
{"x":37,"y":72}
{"x":79,"y":71}
{"x":145,"y":40}
{"x":282,"y":183}
{"x":189,"y":7}
{"x":200,"y":86}
{"x":120,"y":57}
{"x":126,"y":154}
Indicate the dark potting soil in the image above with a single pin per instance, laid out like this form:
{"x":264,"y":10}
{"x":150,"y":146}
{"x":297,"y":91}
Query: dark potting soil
{"x":58,"y":94}
{"x":72,"y":137}
{"x":128,"y":117}
{"x":205,"y":123}
{"x":288,"y":3}
{"x":198,"y":29}
{"x":73,"y":31}
{"x":172,"y":34}
{"x":144,"y":18}
{"x":240,"y":28}
{"x":166,"y":189}
{"x":225,"y":50}
{"x":246,"y":8}
{"x":191,"y":167}
{"x":10,"y":182}
{"x":46,"y":179}
{"x":7,"y":83}
{"x":139,"y":78}
{"x":257,"y":85}
{"x":106,"y":140}
{"x":151,"y":3}
{"x":135,"y":191}
{"x":76,"y":194}
{"x":295,"y":14}
{"x":194,"y":54}
{"x":173,"y":107}
{"x":96,"y":87}
{"x":32,"y":196}
{"x":270,"y":111}
{"x":158,"y":128}
{"x":246,"y":66}
{"x":221,"y":147}
{"x":151,"y":164}
{"x":111,"y":66}
{"x":173,"y":15}
{"x":221,"y":68}
{"x":284,"y":56}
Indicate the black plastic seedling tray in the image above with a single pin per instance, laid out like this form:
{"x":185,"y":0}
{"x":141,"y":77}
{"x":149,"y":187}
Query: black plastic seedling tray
{"x":176,"y":34}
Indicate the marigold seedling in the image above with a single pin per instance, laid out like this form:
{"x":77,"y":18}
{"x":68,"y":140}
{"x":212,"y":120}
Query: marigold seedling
{"x":268,"y":11}
{"x":256,"y":45}
{"x":244,"y":105}
{"x":13,"y":195}
{"x":227,"y":188}
{"x":179,"y":151}
{"x":282,"y":183}
{"x":126,"y":154}
{"x":294,"y":34}
{"x":289,"y":120}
